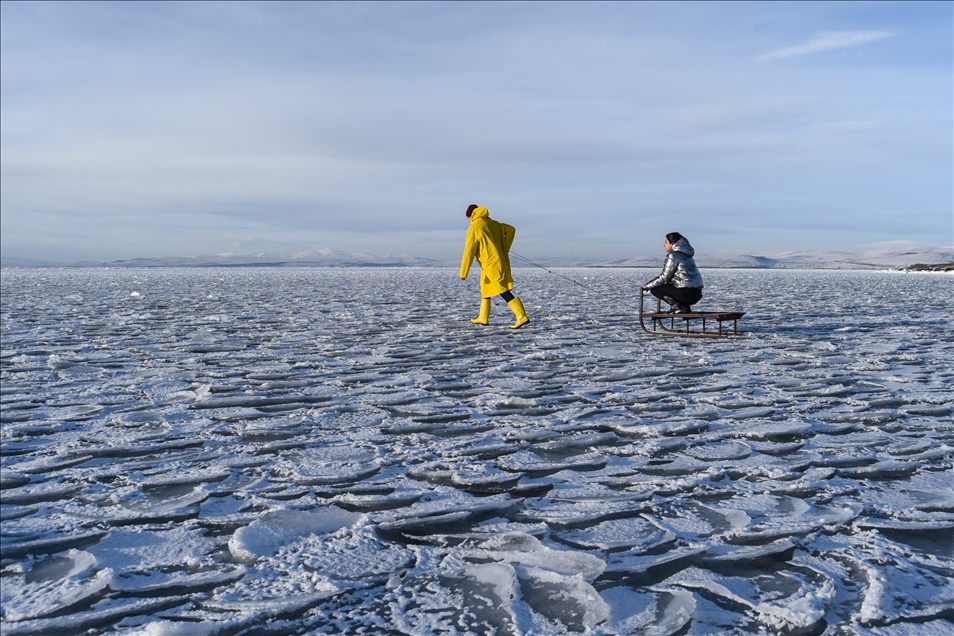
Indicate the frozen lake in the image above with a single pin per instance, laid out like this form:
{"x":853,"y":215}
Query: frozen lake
{"x":340,"y":451}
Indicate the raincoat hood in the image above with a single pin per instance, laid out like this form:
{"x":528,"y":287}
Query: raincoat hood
{"x":682,"y":245}
{"x":479,"y":213}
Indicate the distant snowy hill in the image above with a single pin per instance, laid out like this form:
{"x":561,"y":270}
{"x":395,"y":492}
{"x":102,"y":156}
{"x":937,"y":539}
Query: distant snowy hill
{"x":319,"y":258}
{"x":887,"y":255}
{"x":13,"y":261}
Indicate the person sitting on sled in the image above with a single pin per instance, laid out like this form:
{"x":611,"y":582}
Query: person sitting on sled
{"x":680,"y":283}
{"x":489,"y":241}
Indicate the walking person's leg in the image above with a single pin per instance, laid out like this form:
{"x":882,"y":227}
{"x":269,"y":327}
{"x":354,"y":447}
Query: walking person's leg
{"x":484,"y":317}
{"x":517,"y":308}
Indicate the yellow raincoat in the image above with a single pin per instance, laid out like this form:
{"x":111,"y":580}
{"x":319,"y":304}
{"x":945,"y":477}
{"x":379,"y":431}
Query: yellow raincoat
{"x":489,"y":241}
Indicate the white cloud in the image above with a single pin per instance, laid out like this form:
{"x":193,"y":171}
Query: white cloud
{"x":827,"y":41}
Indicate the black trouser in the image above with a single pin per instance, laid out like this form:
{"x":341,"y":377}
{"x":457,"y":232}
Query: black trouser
{"x":687,"y":296}
{"x":507,"y":296}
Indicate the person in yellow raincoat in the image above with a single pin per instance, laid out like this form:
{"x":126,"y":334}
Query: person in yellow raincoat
{"x":489,"y":241}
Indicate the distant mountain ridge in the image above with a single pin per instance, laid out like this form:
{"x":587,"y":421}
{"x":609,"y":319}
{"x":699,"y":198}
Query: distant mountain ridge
{"x":318,"y":258}
{"x":886,"y":255}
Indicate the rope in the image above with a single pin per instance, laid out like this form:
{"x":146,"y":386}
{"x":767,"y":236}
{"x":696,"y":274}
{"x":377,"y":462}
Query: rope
{"x":599,"y":293}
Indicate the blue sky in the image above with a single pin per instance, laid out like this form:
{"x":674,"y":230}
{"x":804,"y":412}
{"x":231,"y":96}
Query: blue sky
{"x":141,"y":130}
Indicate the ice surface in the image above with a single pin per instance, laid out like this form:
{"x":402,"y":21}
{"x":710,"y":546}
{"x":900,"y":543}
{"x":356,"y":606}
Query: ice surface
{"x":325,"y":451}
{"x":263,"y":537}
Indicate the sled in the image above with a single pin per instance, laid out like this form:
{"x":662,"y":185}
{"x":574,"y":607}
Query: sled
{"x":666,"y":324}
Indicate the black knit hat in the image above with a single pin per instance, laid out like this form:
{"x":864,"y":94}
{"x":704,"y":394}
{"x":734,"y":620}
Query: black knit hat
{"x":470,"y":210}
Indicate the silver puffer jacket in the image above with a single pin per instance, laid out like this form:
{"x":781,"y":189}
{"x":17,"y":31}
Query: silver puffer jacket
{"x":679,"y":269}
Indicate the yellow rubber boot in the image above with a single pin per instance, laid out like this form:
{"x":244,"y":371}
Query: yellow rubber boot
{"x":484,"y":317}
{"x":517,"y":308}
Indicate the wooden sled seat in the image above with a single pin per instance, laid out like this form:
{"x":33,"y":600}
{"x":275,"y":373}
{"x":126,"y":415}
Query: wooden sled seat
{"x":716,"y":315}
{"x":688,"y":324}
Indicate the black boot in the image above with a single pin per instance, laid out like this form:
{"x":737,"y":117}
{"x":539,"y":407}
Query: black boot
{"x":675,"y":307}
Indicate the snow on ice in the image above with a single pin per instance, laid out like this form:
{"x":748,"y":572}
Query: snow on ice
{"x":310,"y":451}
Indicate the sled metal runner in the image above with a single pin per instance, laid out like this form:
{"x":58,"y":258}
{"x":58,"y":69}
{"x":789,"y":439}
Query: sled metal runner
{"x":665,"y":324}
